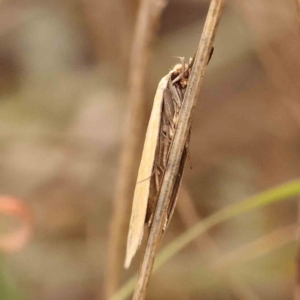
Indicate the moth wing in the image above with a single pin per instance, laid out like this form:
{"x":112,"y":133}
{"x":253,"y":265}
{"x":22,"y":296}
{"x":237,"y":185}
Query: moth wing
{"x":142,"y":189}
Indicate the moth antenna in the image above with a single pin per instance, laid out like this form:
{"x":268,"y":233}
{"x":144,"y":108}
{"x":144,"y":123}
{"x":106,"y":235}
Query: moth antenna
{"x":180,"y":57}
{"x":149,"y":176}
{"x":210,"y":54}
{"x":146,"y":178}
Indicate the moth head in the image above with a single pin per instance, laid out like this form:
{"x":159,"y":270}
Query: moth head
{"x":177,"y":70}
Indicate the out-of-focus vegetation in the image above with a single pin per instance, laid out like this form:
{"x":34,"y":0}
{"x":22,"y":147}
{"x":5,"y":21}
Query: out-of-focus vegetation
{"x":63,"y":97}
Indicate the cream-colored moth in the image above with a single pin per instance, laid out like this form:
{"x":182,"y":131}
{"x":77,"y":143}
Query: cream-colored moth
{"x":160,"y":132}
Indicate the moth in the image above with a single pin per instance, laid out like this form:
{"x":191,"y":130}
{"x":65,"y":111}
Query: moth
{"x":162,"y":125}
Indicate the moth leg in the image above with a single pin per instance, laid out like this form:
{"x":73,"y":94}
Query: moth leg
{"x":156,"y":178}
{"x":164,"y":149}
{"x":173,"y":126}
{"x":210,"y":54}
{"x":168,"y":135}
{"x":161,"y":170}
{"x":165,"y":156}
{"x":150,"y":220}
{"x":176,"y":95}
{"x":168,"y":108}
{"x":180,"y":94}
{"x":164,"y":131}
{"x":171,"y":129}
{"x":165,"y":224}
{"x":166,"y":142}
{"x":168,"y":115}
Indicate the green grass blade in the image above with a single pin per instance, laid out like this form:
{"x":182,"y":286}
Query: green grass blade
{"x":280,"y":193}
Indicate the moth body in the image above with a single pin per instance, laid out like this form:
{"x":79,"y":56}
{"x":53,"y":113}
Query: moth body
{"x":158,"y":142}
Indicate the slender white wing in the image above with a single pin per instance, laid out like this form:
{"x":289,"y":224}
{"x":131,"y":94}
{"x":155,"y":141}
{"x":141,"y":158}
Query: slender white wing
{"x":142,"y":189}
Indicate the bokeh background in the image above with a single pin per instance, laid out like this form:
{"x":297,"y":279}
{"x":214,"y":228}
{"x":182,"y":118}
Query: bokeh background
{"x":63,"y":102}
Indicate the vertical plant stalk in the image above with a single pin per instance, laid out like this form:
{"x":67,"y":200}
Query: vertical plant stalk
{"x":184,"y":124}
{"x":146,"y":26}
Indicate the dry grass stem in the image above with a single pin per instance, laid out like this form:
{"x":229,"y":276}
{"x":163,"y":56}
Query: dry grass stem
{"x":146,"y":27}
{"x":184,"y":123}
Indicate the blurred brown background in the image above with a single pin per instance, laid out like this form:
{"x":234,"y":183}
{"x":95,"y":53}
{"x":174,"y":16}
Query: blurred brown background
{"x":63,"y":97}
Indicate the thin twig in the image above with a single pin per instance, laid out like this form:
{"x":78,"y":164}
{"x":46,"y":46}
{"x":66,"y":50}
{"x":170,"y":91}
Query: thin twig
{"x":146,"y":27}
{"x":181,"y":135}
